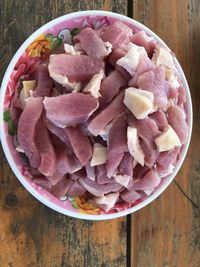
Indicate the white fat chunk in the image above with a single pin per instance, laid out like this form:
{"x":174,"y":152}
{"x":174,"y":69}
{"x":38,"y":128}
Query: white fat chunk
{"x":122,"y":179}
{"x":69,"y":49}
{"x":25,"y":93}
{"x":139,"y":102}
{"x":134,"y":145}
{"x":20,"y":149}
{"x":173,"y":82}
{"x":167,"y":140}
{"x":108,"y":46}
{"x":99,"y":155}
{"x":162,"y":56}
{"x":106,"y":202}
{"x":63,"y":80}
{"x":131,"y":60}
{"x":93,"y":86}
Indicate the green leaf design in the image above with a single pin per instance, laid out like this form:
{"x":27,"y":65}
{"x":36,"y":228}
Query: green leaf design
{"x":74,"y":204}
{"x":75,"y":31}
{"x":55,"y":42}
{"x":11,"y":127}
{"x":6,"y":116}
{"x":49,"y":37}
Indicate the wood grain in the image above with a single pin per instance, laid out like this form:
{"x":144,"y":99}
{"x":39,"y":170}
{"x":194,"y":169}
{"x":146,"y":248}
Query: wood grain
{"x":32,"y":235}
{"x":167,"y":232}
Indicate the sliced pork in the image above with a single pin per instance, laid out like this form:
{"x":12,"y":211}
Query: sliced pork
{"x":69,"y":109}
{"x":27,"y":130}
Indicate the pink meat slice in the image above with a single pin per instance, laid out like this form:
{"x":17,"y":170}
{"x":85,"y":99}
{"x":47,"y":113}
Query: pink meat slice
{"x":27,"y":130}
{"x":59,"y":132}
{"x":117,"y":145}
{"x":126,"y":165}
{"x":92,"y":187}
{"x":61,"y":188}
{"x":112,"y":111}
{"x":130,"y":196}
{"x":75,"y":67}
{"x":66,"y":162}
{"x":176,"y":118}
{"x":46,"y":150}
{"x":181,"y":95}
{"x":42,"y":182}
{"x":70,"y":109}
{"x":92,"y":43}
{"x":80,"y":143}
{"x":168,"y":157}
{"x":77,"y":175}
{"x":147,"y":130}
{"x":111,"y":187}
{"x":44,"y":82}
{"x":148,"y":182}
{"x":154,"y":81}
{"x":76,"y":189}
{"x":101,"y":174}
{"x":116,"y":34}
{"x":110,"y":87}
{"x":142,"y":39}
{"x":145,"y":65}
{"x":160,"y":118}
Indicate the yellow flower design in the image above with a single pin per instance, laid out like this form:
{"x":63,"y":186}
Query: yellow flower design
{"x":40,"y":47}
{"x":85,"y":206}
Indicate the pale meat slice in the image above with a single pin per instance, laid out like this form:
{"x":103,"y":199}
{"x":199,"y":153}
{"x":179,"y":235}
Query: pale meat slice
{"x":46,"y":150}
{"x":163,"y":56}
{"x":134,"y":145}
{"x":131,"y":60}
{"x":99,"y":155}
{"x":90,"y":172}
{"x":93,"y":86}
{"x":150,"y":181}
{"x":106,"y":202}
{"x":44,"y":82}
{"x":154,"y":81}
{"x":130,"y":196}
{"x":139,"y":102}
{"x":147,"y":130}
{"x":93,"y":45}
{"x":101,"y":175}
{"x":81,"y":69}
{"x":167,"y":140}
{"x":176,"y":118}
{"x":110,"y":87}
{"x":142,"y":39}
{"x":70,"y":109}
{"x":27,"y":130}
{"x":117,"y":33}
{"x":80,"y":144}
{"x":104,"y":117}
{"x":25,"y":93}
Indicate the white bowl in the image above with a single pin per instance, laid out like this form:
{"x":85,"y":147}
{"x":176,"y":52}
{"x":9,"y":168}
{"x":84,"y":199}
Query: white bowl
{"x":9,"y":150}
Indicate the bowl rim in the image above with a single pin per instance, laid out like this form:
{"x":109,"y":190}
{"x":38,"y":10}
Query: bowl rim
{"x":6,"y":150}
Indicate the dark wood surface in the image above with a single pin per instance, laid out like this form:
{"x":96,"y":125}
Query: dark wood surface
{"x":164,"y":234}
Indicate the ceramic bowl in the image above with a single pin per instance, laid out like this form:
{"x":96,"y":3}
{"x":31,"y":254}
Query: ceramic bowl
{"x":29,"y":54}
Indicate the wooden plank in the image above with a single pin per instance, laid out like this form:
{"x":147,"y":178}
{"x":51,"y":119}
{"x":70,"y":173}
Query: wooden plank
{"x":31,"y":234}
{"x":167,"y":232}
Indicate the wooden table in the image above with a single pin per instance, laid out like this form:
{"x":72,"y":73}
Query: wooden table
{"x":164,"y":234}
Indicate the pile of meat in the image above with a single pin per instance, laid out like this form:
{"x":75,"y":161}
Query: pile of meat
{"x":104,"y":116}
